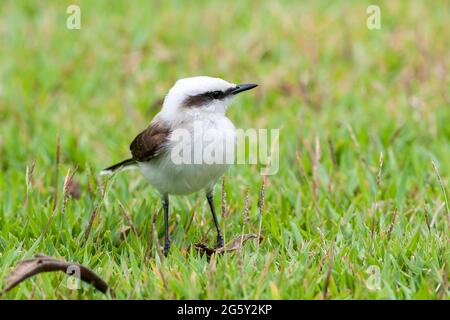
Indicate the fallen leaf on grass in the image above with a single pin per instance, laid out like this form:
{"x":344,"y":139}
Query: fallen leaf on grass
{"x":40,"y":263}
{"x":233,"y":245}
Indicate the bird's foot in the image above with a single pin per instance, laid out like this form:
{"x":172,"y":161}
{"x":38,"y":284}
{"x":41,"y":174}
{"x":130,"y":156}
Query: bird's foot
{"x":219,"y":243}
{"x":166,"y":248}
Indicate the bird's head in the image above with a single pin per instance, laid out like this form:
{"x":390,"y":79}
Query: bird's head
{"x":190,"y":96}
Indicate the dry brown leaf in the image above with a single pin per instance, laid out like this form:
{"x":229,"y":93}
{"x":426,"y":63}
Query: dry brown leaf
{"x":40,"y":263}
{"x":233,"y":245}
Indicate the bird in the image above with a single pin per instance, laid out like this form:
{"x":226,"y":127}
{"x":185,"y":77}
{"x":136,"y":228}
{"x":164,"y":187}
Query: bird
{"x":194,"y":104}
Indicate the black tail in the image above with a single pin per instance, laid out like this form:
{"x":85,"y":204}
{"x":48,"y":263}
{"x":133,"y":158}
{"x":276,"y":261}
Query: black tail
{"x":118,"y":166}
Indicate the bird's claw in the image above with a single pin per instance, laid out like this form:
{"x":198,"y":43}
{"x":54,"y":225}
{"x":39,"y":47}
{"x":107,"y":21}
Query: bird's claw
{"x":219,"y":243}
{"x":166,"y":248}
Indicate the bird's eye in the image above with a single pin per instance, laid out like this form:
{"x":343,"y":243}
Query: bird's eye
{"x":216,"y":94}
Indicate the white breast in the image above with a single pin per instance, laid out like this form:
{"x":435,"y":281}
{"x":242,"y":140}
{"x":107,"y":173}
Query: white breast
{"x":214,"y":137}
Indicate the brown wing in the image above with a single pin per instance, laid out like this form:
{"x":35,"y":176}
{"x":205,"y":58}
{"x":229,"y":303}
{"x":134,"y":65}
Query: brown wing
{"x":150,"y":142}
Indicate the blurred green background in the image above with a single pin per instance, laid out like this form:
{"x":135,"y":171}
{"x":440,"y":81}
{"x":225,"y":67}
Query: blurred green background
{"x":340,"y":93}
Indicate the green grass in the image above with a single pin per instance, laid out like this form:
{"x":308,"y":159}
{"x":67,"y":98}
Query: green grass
{"x":323,"y":77}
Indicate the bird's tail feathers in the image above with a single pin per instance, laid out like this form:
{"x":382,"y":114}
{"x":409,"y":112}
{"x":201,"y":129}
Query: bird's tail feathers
{"x":129,"y":163}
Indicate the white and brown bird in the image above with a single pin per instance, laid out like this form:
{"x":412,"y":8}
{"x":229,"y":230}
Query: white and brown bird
{"x":172,"y":151}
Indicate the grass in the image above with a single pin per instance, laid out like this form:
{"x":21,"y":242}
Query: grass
{"x":337,"y":222}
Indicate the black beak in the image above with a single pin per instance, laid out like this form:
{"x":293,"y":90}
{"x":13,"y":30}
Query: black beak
{"x":243,"y":87}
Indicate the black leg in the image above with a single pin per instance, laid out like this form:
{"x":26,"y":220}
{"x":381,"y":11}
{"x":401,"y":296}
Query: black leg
{"x":209,"y":196}
{"x":165,"y":202}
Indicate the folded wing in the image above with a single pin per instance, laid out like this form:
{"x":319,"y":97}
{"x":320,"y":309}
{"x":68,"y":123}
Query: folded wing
{"x":150,"y":142}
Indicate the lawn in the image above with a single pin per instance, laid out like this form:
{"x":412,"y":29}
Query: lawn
{"x":357,"y":210}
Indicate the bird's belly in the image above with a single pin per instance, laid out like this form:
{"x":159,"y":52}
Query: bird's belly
{"x":195,"y":163}
{"x":180,"y":179}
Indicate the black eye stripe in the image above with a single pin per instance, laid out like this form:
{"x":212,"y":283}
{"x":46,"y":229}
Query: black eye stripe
{"x":216,"y":94}
{"x":196,"y":101}
{"x":203,"y":98}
